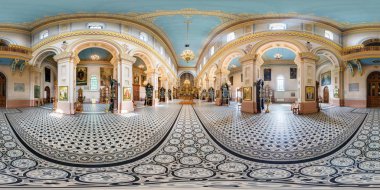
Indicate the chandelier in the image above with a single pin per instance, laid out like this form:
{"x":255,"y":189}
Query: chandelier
{"x":277,"y":56}
{"x":187,"y":54}
{"x":95,"y":57}
{"x":141,"y":66}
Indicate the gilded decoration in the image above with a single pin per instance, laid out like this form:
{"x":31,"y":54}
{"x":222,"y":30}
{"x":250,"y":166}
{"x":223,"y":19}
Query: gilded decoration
{"x":74,"y":35}
{"x":289,"y":36}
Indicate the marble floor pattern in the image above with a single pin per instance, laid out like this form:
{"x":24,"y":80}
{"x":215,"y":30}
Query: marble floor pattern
{"x":286,"y":137}
{"x":189,"y":158}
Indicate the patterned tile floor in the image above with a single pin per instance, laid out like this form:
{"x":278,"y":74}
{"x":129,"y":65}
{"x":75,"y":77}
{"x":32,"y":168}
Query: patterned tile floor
{"x":189,"y":158}
{"x":279,"y":136}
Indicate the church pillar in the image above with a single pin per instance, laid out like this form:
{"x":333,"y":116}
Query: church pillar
{"x":336,"y":96}
{"x":35,"y":80}
{"x":66,"y":83}
{"x":125,"y":91}
{"x":165,"y":84}
{"x":307,"y":83}
{"x":249,"y":68}
{"x":152,"y":77}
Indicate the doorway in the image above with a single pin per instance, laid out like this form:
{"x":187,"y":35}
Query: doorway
{"x":3,"y":90}
{"x":326,"y":95}
{"x":373,"y":90}
{"x":47,"y":95}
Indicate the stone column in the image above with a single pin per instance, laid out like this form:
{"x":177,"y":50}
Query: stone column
{"x":249,"y":66}
{"x":307,"y":80}
{"x":35,"y":80}
{"x":152,"y":77}
{"x":336,"y":86}
{"x":125,"y":82}
{"x":66,"y":82}
{"x":165,"y":84}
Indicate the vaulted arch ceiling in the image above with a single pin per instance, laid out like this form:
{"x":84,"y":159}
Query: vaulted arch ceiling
{"x":170,"y":16}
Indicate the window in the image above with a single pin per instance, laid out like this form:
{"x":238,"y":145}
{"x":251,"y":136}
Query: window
{"x":95,"y":26}
{"x":143,"y":36}
{"x":329,"y":35}
{"x":230,"y":36}
{"x":204,"y":60}
{"x":277,"y":26}
{"x":94,"y":83}
{"x":280,"y":84}
{"x":44,"y":34}
{"x":212,"y":50}
{"x":162,"y":50}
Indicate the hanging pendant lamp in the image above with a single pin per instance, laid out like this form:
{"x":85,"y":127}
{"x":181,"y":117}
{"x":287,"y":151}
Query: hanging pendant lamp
{"x":187,"y":54}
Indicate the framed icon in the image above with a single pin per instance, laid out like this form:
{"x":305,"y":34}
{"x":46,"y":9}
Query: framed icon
{"x":247,"y":93}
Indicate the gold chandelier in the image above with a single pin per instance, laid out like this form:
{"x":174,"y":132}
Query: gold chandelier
{"x":187,"y":54}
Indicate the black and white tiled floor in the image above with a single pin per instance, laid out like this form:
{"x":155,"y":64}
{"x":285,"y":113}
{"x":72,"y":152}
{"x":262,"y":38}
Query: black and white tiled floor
{"x":189,"y":158}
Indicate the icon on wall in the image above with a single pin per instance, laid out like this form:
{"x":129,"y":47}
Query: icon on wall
{"x":310,"y":93}
{"x":127,"y":94}
{"x":267,"y":74}
{"x":105,"y":76}
{"x":326,"y":78}
{"x":81,"y":76}
{"x":37,"y":91}
{"x":247,"y":93}
{"x":63,"y":93}
{"x":293,"y":73}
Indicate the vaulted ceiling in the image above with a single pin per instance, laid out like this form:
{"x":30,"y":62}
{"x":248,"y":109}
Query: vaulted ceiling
{"x":344,"y":11}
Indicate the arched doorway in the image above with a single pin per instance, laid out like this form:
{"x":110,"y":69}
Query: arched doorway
{"x":3,"y":90}
{"x":373,"y":89}
{"x":326,"y":95}
{"x":47,"y":95}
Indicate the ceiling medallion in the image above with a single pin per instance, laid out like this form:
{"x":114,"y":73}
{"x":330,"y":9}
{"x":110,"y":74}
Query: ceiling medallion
{"x":187,"y":54}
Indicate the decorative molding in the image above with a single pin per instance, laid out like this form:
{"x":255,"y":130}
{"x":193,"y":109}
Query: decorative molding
{"x":289,"y":35}
{"x":60,"y":37}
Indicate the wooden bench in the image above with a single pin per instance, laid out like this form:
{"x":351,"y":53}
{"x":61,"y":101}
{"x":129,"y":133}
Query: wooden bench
{"x":295,"y":108}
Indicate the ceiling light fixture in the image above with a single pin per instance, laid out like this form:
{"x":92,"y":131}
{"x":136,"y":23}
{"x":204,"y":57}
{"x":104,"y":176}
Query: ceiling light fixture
{"x":95,"y":57}
{"x":187,"y":54}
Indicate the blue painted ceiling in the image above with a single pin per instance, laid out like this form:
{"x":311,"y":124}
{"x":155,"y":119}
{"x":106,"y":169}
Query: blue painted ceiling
{"x":286,"y":54}
{"x":139,"y":62}
{"x":234,"y":63}
{"x":199,"y":28}
{"x":345,"y":11}
{"x":5,"y":61}
{"x":370,"y":61}
{"x":85,"y":55}
{"x":352,"y":11}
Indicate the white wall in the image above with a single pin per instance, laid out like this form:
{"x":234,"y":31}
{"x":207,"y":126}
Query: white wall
{"x":290,"y":85}
{"x":92,"y":70}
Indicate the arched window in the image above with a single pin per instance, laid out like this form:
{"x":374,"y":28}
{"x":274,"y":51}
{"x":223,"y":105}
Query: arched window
{"x":329,"y":35}
{"x":44,"y":34}
{"x":277,"y":26}
{"x":280,"y":84}
{"x":230,"y":36}
{"x":204,"y":60}
{"x":93,"y":83}
{"x":143,"y":36}
{"x":95,"y":25}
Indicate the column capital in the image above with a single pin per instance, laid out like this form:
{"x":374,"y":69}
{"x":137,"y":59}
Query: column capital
{"x":308,"y":56}
{"x":248,"y":59}
{"x":127,"y":59}
{"x":64,"y":56}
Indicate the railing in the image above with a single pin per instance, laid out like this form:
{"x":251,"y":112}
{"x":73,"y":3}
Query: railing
{"x":15,"y":49}
{"x":361,"y":49}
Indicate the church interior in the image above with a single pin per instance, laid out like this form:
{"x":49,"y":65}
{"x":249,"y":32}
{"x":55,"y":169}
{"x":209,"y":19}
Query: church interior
{"x":219,"y":94}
